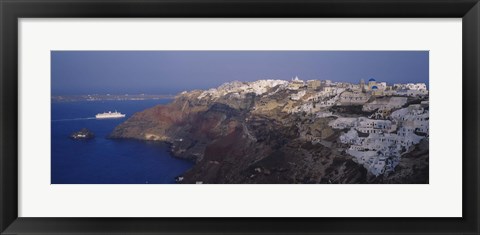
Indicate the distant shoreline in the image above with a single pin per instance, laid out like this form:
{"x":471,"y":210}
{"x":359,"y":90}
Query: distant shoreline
{"x":108,"y":97}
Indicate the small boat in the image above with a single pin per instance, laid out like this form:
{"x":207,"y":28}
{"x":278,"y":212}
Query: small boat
{"x":83,"y":134}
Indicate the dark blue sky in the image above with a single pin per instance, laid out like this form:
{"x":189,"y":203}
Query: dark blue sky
{"x":169,"y":72}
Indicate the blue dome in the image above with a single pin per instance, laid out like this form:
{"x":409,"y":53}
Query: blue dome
{"x":371,"y":80}
{"x":374,"y":87}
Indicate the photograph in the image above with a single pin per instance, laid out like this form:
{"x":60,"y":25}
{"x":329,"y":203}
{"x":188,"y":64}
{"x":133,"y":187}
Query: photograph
{"x":239,"y":117}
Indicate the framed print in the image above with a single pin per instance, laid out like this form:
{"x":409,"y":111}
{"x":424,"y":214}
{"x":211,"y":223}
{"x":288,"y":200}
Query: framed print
{"x":207,"y":126}
{"x":239,"y":117}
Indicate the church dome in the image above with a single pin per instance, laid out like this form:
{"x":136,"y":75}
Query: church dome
{"x":371,"y":80}
{"x":374,"y":87}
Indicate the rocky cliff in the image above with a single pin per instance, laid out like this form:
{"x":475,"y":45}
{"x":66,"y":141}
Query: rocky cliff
{"x":255,"y":133}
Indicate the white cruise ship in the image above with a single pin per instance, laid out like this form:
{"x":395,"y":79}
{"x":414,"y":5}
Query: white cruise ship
{"x":109,"y":115}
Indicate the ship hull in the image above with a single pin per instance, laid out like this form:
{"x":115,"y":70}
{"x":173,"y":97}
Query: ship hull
{"x":111,"y":117}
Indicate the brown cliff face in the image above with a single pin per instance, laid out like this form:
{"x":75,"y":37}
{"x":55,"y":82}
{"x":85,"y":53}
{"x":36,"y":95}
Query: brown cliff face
{"x":151,"y":124}
{"x":236,"y":140}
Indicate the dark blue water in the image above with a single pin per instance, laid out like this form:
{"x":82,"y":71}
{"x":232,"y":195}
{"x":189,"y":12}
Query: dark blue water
{"x":107,"y":161}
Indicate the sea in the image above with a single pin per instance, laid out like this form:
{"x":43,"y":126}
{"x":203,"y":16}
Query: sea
{"x":102,"y":160}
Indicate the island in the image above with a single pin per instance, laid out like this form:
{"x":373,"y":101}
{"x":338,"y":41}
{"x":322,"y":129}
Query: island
{"x":108,"y":97}
{"x":83,"y":134}
{"x":277,"y":131}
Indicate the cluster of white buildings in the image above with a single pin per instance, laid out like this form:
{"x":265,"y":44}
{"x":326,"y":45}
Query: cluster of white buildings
{"x":325,"y":94}
{"x":240,"y":89}
{"x":378,"y":141}
{"x":379,"y":144}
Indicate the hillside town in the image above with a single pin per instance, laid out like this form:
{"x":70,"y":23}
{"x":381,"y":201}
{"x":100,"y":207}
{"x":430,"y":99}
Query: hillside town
{"x":296,"y":131}
{"x":392,"y":119}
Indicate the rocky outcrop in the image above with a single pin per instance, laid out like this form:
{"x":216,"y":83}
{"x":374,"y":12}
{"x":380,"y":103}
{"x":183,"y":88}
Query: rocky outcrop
{"x":83,"y":134}
{"x":244,"y":133}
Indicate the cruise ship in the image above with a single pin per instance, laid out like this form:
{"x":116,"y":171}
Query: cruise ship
{"x":109,"y":115}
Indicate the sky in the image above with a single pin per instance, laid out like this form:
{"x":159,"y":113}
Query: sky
{"x":170,"y":72}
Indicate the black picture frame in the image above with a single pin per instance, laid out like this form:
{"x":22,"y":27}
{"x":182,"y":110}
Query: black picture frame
{"x":12,"y":10}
